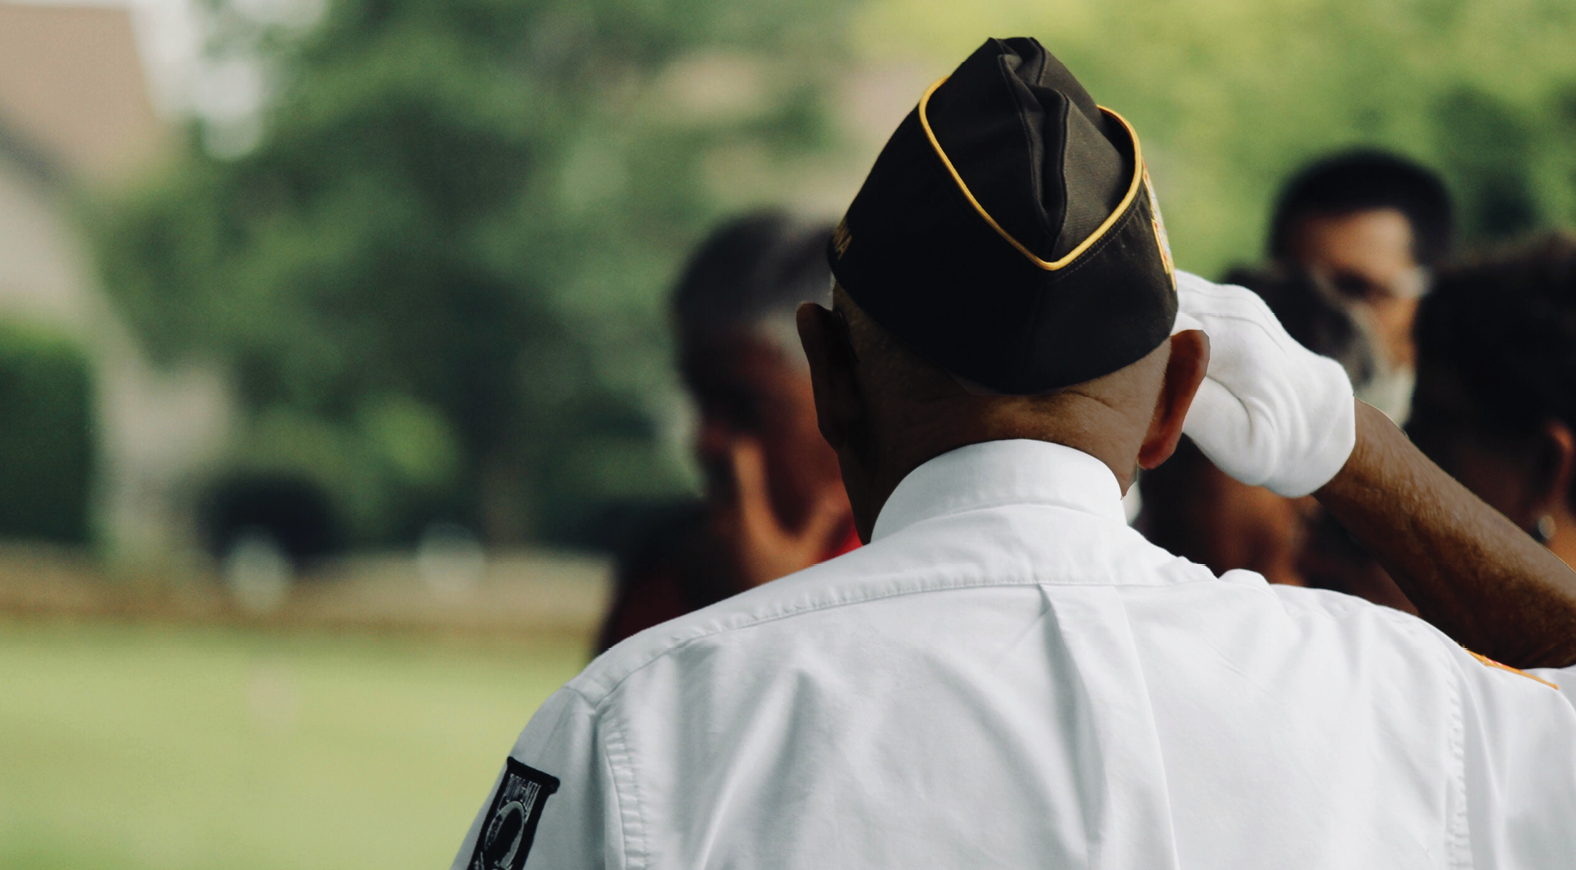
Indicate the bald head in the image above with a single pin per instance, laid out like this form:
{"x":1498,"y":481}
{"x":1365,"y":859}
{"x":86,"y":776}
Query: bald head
{"x":886,"y":410}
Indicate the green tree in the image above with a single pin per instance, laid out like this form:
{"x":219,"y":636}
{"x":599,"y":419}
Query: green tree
{"x":475,"y":205}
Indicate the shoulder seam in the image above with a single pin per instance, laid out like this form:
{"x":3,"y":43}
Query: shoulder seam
{"x":636,"y":846}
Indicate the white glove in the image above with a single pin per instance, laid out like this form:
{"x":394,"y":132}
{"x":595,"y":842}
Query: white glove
{"x":1270,"y":412}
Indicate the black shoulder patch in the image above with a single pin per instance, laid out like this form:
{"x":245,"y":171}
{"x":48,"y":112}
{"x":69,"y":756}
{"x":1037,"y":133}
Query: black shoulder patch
{"x":505,"y":838}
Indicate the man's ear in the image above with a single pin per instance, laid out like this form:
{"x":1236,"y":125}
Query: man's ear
{"x":1557,"y":461}
{"x":830,"y":351}
{"x":1185,"y":370}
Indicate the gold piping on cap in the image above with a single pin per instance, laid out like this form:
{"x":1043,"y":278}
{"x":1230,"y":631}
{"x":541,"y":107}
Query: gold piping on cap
{"x":1047,"y":265}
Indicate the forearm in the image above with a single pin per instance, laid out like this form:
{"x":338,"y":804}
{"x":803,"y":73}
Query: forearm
{"x":1470,"y":571}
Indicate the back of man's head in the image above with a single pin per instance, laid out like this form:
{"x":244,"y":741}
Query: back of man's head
{"x":1367,"y":180}
{"x":1002,"y":273}
{"x":911,"y":404}
{"x":1008,"y":232}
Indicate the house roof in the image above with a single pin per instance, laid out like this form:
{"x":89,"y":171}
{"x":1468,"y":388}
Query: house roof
{"x":73,"y":96}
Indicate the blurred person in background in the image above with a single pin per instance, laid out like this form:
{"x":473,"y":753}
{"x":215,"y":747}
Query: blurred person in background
{"x":1197,"y":511}
{"x":774,"y":501}
{"x":1371,"y":225}
{"x":1496,"y":384}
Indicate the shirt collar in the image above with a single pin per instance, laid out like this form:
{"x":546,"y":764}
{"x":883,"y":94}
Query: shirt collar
{"x":997,"y":473}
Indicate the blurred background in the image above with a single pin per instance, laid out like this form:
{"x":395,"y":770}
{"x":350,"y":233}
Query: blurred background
{"x":335,"y":353}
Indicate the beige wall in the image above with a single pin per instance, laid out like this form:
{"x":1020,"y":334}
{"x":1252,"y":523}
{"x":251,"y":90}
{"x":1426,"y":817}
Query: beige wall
{"x":71,"y":80}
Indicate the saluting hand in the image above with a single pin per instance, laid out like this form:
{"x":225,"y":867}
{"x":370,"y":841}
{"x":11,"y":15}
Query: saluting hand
{"x":1270,"y":412}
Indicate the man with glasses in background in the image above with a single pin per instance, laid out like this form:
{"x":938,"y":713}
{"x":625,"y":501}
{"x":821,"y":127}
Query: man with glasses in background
{"x":1373,"y":226}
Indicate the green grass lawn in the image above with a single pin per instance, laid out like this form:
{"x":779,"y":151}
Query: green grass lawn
{"x":155,"y":747}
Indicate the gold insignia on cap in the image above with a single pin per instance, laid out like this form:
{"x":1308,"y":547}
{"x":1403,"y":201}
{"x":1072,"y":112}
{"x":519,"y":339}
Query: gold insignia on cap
{"x":1159,"y":224}
{"x":842,"y":238}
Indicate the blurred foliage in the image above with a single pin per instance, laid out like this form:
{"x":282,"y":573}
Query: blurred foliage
{"x":437,"y":267}
{"x":1231,"y":96}
{"x":438,"y":273}
{"x":46,"y":437}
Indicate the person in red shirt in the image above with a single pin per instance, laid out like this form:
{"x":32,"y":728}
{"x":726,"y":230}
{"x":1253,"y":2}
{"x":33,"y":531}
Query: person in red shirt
{"x":774,"y":501}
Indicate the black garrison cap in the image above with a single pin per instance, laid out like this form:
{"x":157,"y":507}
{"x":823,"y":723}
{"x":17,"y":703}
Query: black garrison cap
{"x":1008,"y":232}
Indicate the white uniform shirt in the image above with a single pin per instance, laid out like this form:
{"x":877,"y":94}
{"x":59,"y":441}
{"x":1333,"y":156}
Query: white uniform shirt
{"x":1009,"y":676}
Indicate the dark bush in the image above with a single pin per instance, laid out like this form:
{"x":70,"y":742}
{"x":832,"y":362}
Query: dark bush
{"x":46,"y":436}
{"x":292,"y":511}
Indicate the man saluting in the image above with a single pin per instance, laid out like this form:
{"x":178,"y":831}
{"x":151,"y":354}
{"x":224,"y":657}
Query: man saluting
{"x":1009,"y":676}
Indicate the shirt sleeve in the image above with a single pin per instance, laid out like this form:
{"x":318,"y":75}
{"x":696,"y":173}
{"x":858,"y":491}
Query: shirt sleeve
{"x":1519,"y":753}
{"x":553,"y":805}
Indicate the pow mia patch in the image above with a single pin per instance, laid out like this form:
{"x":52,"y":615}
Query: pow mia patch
{"x":505,"y":838}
